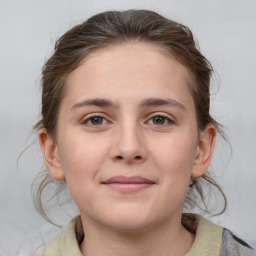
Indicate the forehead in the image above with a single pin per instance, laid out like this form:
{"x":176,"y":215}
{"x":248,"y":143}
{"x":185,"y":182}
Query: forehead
{"x":126,"y":54}
{"x":129,"y":72}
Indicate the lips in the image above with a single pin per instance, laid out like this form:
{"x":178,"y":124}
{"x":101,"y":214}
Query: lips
{"x":128,"y":184}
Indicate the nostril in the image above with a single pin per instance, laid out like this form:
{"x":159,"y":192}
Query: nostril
{"x":121,"y":157}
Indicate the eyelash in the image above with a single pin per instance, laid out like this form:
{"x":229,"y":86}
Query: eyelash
{"x":88,"y":120}
{"x":167,"y":120}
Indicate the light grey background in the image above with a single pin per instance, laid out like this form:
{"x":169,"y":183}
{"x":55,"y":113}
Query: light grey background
{"x":226,"y":31}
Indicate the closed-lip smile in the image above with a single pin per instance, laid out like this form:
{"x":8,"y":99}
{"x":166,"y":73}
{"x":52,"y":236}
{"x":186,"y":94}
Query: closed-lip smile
{"x":126,"y":184}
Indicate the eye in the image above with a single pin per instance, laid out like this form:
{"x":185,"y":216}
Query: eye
{"x":95,"y":121}
{"x":160,"y":120}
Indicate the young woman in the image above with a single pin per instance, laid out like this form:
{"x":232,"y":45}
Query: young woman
{"x":126,"y":124}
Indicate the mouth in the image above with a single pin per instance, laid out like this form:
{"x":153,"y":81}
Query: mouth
{"x":128,"y":184}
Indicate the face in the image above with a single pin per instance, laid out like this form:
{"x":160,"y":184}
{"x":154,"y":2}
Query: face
{"x":127,"y":140}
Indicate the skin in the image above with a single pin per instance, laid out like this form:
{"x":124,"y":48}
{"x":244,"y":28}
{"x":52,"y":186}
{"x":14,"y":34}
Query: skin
{"x":129,"y":133}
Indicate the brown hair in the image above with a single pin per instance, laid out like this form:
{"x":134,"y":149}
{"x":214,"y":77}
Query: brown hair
{"x":114,"y":27}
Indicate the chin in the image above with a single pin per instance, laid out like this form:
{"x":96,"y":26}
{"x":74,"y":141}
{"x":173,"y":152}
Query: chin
{"x":130,"y":221}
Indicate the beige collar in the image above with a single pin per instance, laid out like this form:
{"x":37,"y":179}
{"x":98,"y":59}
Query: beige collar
{"x":207,"y":242}
{"x":208,"y":239}
{"x":65,"y":244}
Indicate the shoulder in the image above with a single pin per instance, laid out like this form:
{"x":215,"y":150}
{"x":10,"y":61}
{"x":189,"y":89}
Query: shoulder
{"x":65,"y":244}
{"x":213,"y":240}
{"x":53,"y":248}
{"x":208,"y":238}
{"x":234,"y":246}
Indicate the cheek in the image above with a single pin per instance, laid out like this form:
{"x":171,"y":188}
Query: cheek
{"x":81,"y":159}
{"x":81,"y":151}
{"x":175,"y":158}
{"x":176,"y":151}
{"x":81,"y":162}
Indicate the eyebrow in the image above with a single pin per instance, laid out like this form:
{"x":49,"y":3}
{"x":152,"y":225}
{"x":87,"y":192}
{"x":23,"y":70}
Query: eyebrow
{"x":99,"y":102}
{"x":150,"y":102}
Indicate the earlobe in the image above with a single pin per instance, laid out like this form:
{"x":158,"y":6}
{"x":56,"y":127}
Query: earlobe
{"x":204,"y":151}
{"x":50,"y":153}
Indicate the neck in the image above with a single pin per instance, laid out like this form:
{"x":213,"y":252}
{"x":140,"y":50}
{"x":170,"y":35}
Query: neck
{"x":165,"y":239}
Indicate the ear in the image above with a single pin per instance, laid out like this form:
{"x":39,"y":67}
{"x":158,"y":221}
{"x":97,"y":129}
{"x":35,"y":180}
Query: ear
{"x":50,"y":153}
{"x":204,"y":150}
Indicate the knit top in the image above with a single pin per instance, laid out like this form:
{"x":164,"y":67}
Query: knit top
{"x":210,"y":240}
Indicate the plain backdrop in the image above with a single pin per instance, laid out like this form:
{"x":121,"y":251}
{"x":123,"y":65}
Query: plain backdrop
{"x":226,"y":31}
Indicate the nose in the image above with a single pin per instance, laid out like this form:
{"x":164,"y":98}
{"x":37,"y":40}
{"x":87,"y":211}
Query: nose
{"x":129,"y":145}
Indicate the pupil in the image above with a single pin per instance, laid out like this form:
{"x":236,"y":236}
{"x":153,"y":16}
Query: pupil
{"x":97,"y":120}
{"x":158,"y":120}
